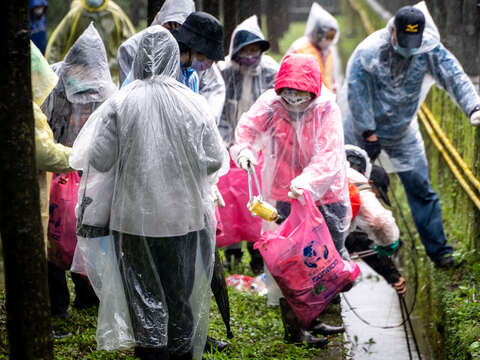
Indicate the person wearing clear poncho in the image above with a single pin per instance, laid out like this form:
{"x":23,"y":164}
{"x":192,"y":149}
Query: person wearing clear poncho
{"x":155,"y":146}
{"x":321,"y":34}
{"x":248,"y":73}
{"x":172,"y":14}
{"x":298,"y":125}
{"x":388,"y":77}
{"x":200,"y":73}
{"x":110,"y":20}
{"x":84,"y":84}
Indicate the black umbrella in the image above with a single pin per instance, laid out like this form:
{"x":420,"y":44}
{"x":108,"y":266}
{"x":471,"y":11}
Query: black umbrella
{"x":220,"y":292}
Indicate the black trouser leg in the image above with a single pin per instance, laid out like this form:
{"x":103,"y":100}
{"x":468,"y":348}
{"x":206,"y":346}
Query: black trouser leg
{"x":158,"y":275}
{"x":57,"y":285}
{"x":85,"y":296}
{"x":359,"y":241}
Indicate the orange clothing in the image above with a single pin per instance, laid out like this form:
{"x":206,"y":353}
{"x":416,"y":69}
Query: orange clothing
{"x":305,"y":46}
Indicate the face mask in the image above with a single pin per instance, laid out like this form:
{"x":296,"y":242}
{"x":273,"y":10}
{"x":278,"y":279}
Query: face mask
{"x":404,"y":51}
{"x":38,"y":11}
{"x":294,"y":97}
{"x":248,"y":60}
{"x":95,"y":3}
{"x":324,"y":44}
{"x":201,"y":65}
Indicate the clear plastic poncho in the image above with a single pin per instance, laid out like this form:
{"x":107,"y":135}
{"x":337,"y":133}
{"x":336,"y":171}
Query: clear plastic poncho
{"x":110,"y":20}
{"x":149,"y":156}
{"x":212,"y":87}
{"x":244,"y":85}
{"x":84,"y":84}
{"x":319,"y":23}
{"x":306,"y":146}
{"x":172,"y":10}
{"x":384,"y":91}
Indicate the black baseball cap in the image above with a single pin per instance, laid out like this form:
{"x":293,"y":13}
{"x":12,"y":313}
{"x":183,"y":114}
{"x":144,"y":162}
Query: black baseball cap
{"x":381,"y":182}
{"x":409,"y":26}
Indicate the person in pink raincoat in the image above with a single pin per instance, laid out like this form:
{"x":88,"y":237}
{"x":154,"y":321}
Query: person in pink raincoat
{"x":299,"y":127}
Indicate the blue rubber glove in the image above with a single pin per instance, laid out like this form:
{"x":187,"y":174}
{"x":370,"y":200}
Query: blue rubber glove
{"x":386,"y":250}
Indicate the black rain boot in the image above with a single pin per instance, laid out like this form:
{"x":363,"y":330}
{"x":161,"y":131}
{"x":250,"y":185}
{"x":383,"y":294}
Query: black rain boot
{"x":294,"y":334}
{"x":324,"y":329}
{"x":212,"y":344}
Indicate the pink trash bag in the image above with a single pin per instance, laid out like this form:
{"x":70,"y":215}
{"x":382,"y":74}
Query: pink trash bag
{"x":302,"y":258}
{"x":62,"y":223}
{"x":237,"y":221}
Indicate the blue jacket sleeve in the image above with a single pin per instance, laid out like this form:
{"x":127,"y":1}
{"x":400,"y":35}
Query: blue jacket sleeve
{"x":360,"y":94}
{"x":449,"y":74}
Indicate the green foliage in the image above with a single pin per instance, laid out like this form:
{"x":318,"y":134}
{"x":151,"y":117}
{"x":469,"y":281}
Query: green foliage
{"x":295,"y":31}
{"x":448,"y":300}
{"x":257,"y":328}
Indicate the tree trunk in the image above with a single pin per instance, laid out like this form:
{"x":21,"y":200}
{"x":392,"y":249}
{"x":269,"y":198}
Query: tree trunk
{"x":153,"y":7}
{"x":277,"y":21}
{"x":230,"y":19}
{"x":248,"y":8}
{"x":135,"y":13}
{"x":212,"y":7}
{"x":27,"y":301}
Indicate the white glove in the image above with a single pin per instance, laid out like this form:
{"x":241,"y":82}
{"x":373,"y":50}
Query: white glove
{"x":296,"y":188}
{"x":475,"y":118}
{"x":246,"y":159}
{"x":217,"y":196}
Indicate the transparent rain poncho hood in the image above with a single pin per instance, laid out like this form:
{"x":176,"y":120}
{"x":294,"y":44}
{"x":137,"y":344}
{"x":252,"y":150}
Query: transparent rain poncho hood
{"x":303,"y":145}
{"x":44,"y":78}
{"x":244,"y":85}
{"x":84,"y":84}
{"x":172,"y":10}
{"x":384,"y":91}
{"x":319,"y":22}
{"x":150,"y":155}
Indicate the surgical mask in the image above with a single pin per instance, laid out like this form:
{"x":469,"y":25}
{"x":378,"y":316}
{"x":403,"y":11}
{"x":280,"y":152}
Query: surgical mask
{"x":76,"y":86}
{"x":405,"y":52}
{"x":95,"y":3}
{"x":249,"y":60}
{"x":201,"y":65}
{"x":295,"y":97}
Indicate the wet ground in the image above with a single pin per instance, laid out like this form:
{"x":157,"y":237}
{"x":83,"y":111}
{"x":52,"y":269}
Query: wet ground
{"x":376,"y":302}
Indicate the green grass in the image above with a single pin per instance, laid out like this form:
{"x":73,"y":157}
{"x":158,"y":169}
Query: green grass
{"x":295,"y":31}
{"x":257,"y":328}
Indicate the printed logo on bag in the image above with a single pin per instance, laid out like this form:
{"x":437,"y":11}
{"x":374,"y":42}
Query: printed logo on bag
{"x":310,"y":253}
{"x":412,"y":28}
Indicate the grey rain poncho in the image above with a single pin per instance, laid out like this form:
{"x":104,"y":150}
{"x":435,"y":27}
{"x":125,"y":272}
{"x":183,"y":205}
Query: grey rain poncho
{"x":84,"y":84}
{"x":244,"y":85}
{"x":172,"y":10}
{"x":149,"y":156}
{"x":385,"y":90}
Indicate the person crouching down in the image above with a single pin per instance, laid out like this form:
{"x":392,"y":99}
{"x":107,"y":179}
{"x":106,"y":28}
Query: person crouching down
{"x":166,"y":152}
{"x":298,"y":125}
